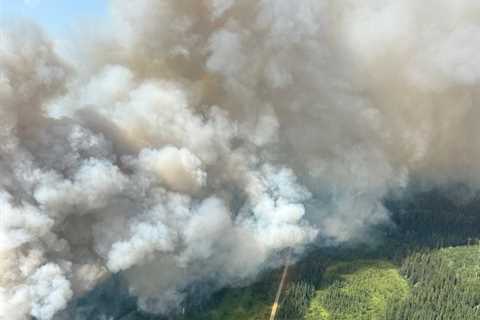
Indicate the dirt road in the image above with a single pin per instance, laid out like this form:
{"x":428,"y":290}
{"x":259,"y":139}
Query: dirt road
{"x":280,"y":287}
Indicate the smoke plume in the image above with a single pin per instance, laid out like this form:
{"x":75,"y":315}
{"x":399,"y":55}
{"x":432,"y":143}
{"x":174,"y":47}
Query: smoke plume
{"x":191,"y":141}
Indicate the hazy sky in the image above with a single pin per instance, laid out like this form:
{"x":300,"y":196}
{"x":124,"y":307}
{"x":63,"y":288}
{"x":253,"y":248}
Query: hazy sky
{"x":54,"y":15}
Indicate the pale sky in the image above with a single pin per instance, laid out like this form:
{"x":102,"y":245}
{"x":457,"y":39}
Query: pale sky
{"x":56,"y":16}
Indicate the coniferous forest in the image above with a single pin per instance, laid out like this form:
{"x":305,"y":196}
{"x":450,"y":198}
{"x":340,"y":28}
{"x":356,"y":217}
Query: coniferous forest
{"x":423,"y":266}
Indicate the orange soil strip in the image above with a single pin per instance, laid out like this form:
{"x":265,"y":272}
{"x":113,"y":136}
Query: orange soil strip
{"x":280,"y":288}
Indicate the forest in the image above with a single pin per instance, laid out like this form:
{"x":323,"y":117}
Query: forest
{"x":424,"y":266}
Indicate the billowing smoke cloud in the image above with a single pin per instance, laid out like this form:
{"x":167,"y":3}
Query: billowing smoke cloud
{"x":193,"y":141}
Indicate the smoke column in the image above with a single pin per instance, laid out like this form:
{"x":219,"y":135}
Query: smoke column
{"x":191,"y":141}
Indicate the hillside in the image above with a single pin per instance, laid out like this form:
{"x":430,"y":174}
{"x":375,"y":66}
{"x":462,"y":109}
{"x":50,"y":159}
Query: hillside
{"x":426,"y":267}
{"x":439,"y":283}
{"x":358,"y":290}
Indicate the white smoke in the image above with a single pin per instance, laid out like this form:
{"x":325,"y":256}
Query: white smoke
{"x":192,"y":141}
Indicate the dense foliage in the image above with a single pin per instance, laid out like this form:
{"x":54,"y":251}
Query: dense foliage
{"x":446,"y":285}
{"x":296,"y":300}
{"x":357,"y":290}
{"x":424,"y":266}
{"x":434,"y":219}
{"x":334,"y":283}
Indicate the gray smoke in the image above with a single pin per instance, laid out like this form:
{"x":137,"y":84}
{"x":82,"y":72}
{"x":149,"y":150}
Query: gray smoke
{"x":194,"y":140}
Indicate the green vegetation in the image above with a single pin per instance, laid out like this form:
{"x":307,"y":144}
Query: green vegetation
{"x":253,"y":302}
{"x":434,"y":219}
{"x":440,"y":284}
{"x":239,"y":304}
{"x":358,"y":290}
{"x":424,"y":268}
{"x":295,"y":300}
{"x":446,"y":285}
